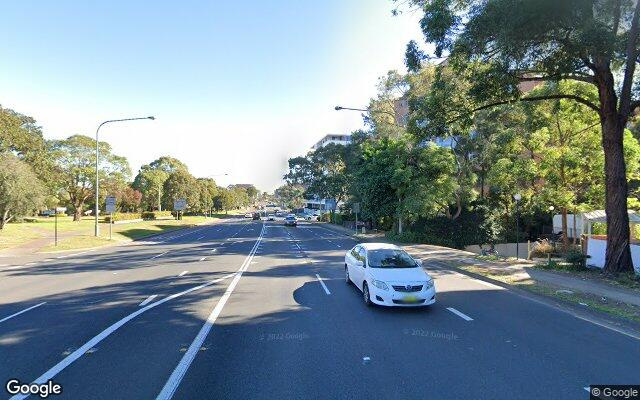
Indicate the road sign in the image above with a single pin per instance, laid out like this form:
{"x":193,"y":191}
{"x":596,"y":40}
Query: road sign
{"x":179,"y":205}
{"x":111,"y":204}
{"x":355,"y":207}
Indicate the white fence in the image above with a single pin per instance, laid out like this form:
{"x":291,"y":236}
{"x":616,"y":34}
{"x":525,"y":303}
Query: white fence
{"x":596,"y":249}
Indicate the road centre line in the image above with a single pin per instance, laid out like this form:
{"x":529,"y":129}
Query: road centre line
{"x":71,"y":358}
{"x":178,"y":373}
{"x":22,"y":312}
{"x":459,"y":314}
{"x":183,"y":273}
{"x":148,"y":300}
{"x":326,"y":290}
{"x":203,"y":258}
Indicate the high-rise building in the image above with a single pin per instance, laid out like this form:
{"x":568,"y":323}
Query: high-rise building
{"x":336,"y":138}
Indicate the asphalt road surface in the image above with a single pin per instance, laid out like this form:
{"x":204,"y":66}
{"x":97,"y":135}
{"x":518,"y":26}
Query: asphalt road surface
{"x":251,"y":309}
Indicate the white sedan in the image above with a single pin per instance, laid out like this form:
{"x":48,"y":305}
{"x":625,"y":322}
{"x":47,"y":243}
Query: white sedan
{"x":388,"y":276}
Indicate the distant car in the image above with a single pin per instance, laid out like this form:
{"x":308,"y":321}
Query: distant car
{"x":290,"y":220}
{"x":256,"y":216}
{"x":271,"y":217}
{"x":248,"y":215}
{"x":388,"y":276}
{"x":312,"y":217}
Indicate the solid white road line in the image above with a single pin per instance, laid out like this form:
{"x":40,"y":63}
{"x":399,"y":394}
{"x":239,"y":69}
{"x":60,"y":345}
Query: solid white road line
{"x":22,"y":312}
{"x":159,"y":255}
{"x":181,"y":369}
{"x":459,"y":314}
{"x":71,"y":358}
{"x":326,"y":290}
{"x":491,"y":285}
{"x":148,"y":300}
{"x":183,"y":273}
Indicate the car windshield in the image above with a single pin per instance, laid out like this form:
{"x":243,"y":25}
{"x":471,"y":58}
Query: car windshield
{"x":390,"y":258}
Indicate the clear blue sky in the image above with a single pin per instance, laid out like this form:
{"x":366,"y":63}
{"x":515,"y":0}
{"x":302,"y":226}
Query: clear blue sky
{"x":237,"y":87}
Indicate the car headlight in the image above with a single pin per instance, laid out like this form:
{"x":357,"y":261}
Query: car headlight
{"x":380,"y":285}
{"x":429,"y":284}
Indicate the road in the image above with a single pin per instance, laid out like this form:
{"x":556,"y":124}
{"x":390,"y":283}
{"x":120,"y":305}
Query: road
{"x":251,"y":309}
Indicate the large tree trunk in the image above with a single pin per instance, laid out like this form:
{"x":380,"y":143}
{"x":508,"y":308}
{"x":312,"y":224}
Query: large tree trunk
{"x":4,"y":218}
{"x":77,"y":214}
{"x":618,"y":257}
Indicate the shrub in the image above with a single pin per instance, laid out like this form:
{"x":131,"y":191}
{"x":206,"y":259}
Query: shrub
{"x":576,"y":259}
{"x":151,"y":215}
{"x":122,"y":217}
{"x":542,"y":248}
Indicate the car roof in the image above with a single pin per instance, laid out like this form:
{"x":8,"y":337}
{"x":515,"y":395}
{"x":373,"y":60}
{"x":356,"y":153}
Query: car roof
{"x":378,"y":246}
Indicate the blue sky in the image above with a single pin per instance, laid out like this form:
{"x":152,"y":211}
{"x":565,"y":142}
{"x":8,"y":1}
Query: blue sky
{"x":237,"y":87}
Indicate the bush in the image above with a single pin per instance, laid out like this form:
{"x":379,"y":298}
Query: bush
{"x":471,"y":227}
{"x":576,"y":259}
{"x":542,"y":248}
{"x":122,"y":217}
{"x":151,"y":215}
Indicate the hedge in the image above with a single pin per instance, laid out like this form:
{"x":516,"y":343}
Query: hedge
{"x":150,"y":215}
{"x":122,"y":217}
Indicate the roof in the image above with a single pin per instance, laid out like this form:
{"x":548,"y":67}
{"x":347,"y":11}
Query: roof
{"x":378,"y":246}
{"x":601,"y":216}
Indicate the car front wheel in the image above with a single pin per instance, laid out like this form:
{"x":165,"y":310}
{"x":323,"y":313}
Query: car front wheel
{"x":365,"y":295}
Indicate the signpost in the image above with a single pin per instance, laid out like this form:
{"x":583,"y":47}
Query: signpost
{"x":179,"y":205}
{"x":110,"y":209}
{"x":57,"y":210}
{"x":356,"y":210}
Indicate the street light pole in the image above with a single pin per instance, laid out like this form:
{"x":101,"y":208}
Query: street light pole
{"x":517,"y":198}
{"x":96,"y":208}
{"x":367,"y":110}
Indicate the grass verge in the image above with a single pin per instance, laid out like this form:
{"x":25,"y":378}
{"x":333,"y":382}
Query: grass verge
{"x":122,"y":233}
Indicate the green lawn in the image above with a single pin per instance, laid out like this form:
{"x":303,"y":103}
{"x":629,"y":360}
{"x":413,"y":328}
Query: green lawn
{"x":79,"y":234}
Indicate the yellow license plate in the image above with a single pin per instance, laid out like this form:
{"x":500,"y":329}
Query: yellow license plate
{"x":410,"y":299}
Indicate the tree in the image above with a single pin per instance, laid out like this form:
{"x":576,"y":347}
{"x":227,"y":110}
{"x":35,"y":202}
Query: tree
{"x":75,"y":158}
{"x":497,"y":45}
{"x":129,"y":199}
{"x":20,"y":134}
{"x":207,"y":192}
{"x":224,"y":200}
{"x":151,"y":178}
{"x":292,"y":196}
{"x":397,"y":179}
{"x":323,"y":172}
{"x":180,"y":185}
{"x":21,"y":193}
